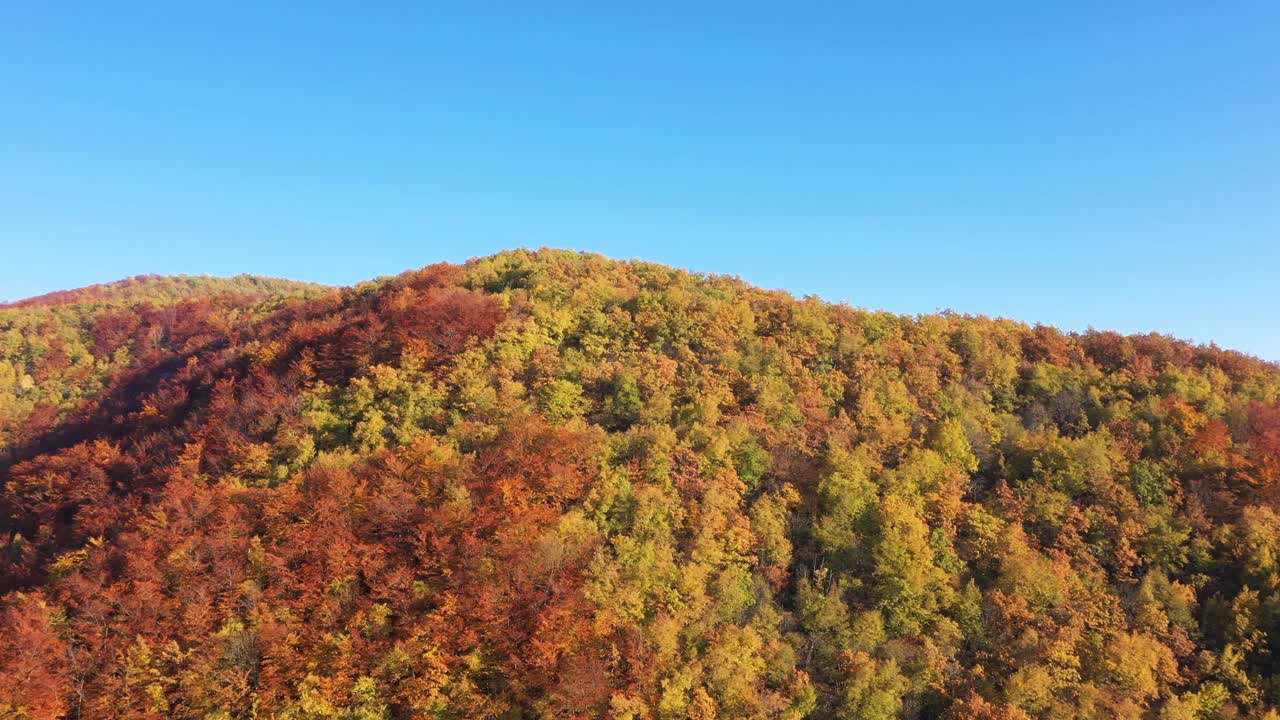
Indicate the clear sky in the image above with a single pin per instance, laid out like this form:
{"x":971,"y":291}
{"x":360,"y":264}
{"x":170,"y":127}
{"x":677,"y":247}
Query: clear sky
{"x":1114,"y":164}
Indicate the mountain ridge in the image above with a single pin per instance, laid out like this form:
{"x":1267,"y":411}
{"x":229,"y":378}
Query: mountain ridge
{"x":166,"y":288}
{"x":245,"y":283}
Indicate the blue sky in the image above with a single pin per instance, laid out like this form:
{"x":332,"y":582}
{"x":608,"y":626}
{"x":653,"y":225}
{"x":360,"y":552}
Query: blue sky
{"x":1095,"y":163}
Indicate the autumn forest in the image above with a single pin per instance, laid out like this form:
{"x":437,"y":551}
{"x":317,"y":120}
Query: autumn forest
{"x":554,"y":485}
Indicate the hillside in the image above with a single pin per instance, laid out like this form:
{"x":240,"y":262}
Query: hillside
{"x":549,"y":484}
{"x":57,"y":350}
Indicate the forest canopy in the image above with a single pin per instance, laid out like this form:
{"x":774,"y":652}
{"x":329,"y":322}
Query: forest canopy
{"x":553,"y":485}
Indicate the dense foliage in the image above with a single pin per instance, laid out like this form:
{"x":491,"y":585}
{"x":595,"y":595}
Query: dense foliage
{"x":554,"y":485}
{"x":59,"y":350}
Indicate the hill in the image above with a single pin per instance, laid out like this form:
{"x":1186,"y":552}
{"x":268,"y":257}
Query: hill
{"x":165,"y":289}
{"x":57,"y":350}
{"x":549,"y":484}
